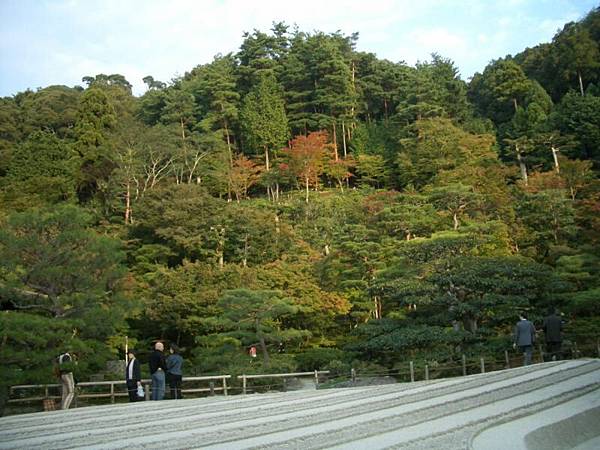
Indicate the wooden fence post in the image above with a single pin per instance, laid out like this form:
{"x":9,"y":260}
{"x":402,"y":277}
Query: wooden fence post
{"x":412,"y":372}
{"x":147,"y":392}
{"x":316,"y":379}
{"x":353,"y":373}
{"x":506,"y":358}
{"x":427,"y":372}
{"x":224,"y":386}
{"x":598,"y":347}
{"x":243,"y":384}
{"x":112,"y":392}
{"x":464,"y":365}
{"x":482,"y":364}
{"x":211,"y":387}
{"x":541,"y":352}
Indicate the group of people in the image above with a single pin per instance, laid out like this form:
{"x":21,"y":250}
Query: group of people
{"x":525,"y":336}
{"x":163,"y":370}
{"x":168,"y":369}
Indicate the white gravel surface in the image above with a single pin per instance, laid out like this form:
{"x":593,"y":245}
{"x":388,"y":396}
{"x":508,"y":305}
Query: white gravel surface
{"x":479,"y":412}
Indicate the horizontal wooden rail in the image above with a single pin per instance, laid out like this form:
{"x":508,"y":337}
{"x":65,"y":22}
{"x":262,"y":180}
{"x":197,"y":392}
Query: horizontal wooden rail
{"x":472,"y":364}
{"x":314,"y":374}
{"x":112,"y":383}
{"x":284,"y":375}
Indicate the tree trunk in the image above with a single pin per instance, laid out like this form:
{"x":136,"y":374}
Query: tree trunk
{"x":555,"y":156}
{"x":220,"y":246}
{"x":515,"y":104}
{"x":352,"y":109}
{"x":455,"y":219}
{"x":470,"y":324}
{"x":335,"y":148}
{"x":522,"y":166}
{"x":344,"y":139}
{"x":580,"y":82}
{"x":230,"y":159}
{"x":245,"y":258}
{"x":266,"y":158}
{"x":263,"y":344}
{"x":385,"y":109}
{"x":378,"y":308}
{"x":182,"y":130}
{"x":306,"y":189}
{"x":128,"y":204}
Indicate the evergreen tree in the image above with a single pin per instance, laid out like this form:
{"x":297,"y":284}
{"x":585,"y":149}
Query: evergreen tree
{"x":263,"y":120}
{"x":96,"y":116}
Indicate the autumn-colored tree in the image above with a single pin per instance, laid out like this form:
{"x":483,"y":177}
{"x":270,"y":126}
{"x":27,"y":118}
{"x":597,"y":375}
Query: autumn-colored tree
{"x":307,"y":158}
{"x":339,"y":170}
{"x":244,"y":174}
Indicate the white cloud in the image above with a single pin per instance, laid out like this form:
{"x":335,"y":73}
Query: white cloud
{"x":60,"y":41}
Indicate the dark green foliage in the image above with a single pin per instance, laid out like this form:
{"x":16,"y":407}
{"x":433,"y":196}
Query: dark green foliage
{"x":51,"y":262}
{"x":60,"y":289}
{"x":391,"y":340}
{"x":318,"y":358}
{"x":580,"y":117}
{"x":263,"y":120}
{"x":96,"y":116}
{"x":410,"y":217}
{"x":42,"y":170}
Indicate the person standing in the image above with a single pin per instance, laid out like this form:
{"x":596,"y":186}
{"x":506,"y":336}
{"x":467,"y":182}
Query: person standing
{"x":553,"y":326}
{"x":133,"y":376}
{"x":174,"y":371}
{"x":524,"y":338}
{"x":157,"y":371}
{"x":65,"y":368}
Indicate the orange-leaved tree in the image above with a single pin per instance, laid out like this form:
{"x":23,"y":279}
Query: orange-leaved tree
{"x":307,"y":156}
{"x":244,"y":174}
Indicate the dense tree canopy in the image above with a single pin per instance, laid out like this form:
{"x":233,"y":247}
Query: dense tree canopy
{"x":302,"y":194}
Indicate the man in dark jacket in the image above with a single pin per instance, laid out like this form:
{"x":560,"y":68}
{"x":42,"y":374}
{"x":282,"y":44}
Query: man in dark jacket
{"x":157,"y":371}
{"x":524,"y":338}
{"x":133,"y":376}
{"x":553,"y":326}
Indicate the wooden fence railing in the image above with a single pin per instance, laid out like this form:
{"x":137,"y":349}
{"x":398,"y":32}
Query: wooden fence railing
{"x":283,"y":376}
{"x":412,"y":371}
{"x":116,"y":388}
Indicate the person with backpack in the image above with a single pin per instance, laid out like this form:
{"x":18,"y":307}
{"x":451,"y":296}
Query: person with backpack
{"x":65,"y":371}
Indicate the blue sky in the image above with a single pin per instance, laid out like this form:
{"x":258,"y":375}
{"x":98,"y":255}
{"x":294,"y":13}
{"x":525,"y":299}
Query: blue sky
{"x":46,"y":42}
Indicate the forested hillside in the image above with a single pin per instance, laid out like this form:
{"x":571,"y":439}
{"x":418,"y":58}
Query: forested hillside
{"x":302,"y":194}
